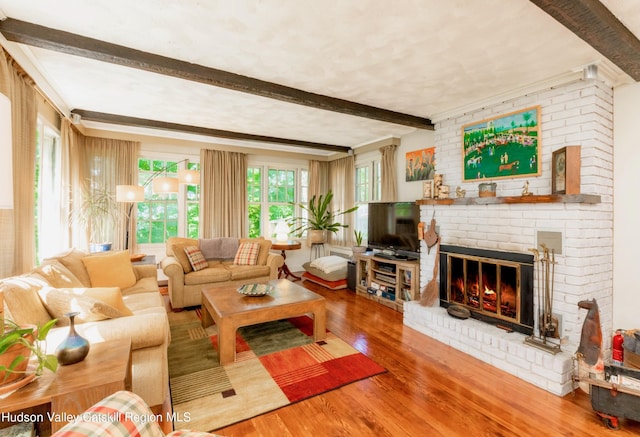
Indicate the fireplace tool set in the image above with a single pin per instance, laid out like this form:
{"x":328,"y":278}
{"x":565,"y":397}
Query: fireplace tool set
{"x":548,"y":326}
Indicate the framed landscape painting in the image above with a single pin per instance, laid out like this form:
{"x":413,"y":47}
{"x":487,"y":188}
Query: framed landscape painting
{"x":507,"y":146}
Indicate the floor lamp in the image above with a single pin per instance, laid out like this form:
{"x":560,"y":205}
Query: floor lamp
{"x":161,"y":184}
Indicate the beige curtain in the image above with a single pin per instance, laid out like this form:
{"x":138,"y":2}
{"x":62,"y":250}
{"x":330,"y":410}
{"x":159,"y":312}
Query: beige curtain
{"x":71,"y":144}
{"x":103,"y":164}
{"x":389,"y":178}
{"x":342,"y":182}
{"x":18,"y":225}
{"x":318,"y":178}
{"x":7,"y":239}
{"x":223,"y":194}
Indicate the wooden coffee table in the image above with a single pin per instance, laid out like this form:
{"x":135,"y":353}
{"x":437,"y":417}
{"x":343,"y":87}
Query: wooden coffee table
{"x":232,"y":310}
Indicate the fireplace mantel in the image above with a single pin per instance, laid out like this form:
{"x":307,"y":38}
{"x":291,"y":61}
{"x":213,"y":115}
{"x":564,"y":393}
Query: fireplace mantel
{"x":538,"y":198}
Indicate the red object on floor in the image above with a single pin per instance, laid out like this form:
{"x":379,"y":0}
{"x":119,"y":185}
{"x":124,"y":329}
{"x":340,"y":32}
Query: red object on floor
{"x":332,"y":285}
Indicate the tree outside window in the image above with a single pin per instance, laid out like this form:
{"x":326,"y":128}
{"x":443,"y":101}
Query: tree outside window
{"x":270,"y":197}
{"x":162,"y":216}
{"x":368,"y":189}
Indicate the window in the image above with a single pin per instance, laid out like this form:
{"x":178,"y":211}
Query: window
{"x":368,"y":188}
{"x":162,"y":216}
{"x":50,"y":226}
{"x":269,"y":197}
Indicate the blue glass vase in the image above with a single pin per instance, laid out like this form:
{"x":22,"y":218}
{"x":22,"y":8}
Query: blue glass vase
{"x":74,"y":348}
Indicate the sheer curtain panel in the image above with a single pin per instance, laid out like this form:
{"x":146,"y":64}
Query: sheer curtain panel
{"x":342,"y":181}
{"x":223,"y":194}
{"x":18,"y":254}
{"x":389,"y":180}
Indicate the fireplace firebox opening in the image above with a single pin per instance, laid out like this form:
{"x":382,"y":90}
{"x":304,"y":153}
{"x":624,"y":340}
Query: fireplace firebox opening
{"x":496,"y":287}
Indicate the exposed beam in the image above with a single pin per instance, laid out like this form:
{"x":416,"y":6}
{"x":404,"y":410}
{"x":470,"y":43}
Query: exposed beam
{"x":595,"y":24}
{"x":65,"y":42}
{"x":155,"y":124}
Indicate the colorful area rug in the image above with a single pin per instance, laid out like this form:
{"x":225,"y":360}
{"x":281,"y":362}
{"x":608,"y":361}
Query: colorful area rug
{"x":277,"y":363}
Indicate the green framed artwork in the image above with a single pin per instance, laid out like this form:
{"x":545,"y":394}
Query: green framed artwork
{"x":507,"y":146}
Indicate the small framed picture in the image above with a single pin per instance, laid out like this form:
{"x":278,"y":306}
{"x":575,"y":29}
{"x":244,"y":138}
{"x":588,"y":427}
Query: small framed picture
{"x":565,"y":170}
{"x":427,"y":189}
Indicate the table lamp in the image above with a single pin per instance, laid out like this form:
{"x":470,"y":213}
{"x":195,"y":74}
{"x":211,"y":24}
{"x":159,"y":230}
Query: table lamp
{"x":282,"y":231}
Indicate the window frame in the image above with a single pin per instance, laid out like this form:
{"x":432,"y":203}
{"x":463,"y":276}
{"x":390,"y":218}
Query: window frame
{"x":372,"y":163}
{"x":181,"y":197}
{"x":267,"y":226}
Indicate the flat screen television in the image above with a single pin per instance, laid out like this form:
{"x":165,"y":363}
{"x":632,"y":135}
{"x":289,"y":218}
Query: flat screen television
{"x":393,"y":228}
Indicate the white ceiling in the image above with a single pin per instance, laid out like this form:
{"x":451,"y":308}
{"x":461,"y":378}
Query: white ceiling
{"x":427,"y":58}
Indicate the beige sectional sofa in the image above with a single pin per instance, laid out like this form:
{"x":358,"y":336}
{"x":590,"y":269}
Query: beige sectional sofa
{"x":186,"y":285}
{"x":117,"y":301}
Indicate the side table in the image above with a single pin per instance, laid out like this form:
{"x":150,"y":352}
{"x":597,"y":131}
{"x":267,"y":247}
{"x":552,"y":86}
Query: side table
{"x":284,"y":246}
{"x":55,"y":398}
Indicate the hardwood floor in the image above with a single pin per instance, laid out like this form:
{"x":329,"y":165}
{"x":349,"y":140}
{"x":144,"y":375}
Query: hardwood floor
{"x":430,"y":389}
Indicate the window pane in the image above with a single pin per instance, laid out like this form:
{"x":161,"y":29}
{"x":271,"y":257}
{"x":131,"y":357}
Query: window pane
{"x":254,"y":221}
{"x":193,"y":220}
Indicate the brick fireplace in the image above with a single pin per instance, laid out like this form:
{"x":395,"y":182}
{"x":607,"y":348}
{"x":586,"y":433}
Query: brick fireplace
{"x":576,"y":113}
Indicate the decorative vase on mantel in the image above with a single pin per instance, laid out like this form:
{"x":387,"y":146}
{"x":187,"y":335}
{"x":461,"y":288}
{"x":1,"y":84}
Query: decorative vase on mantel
{"x":74,"y":348}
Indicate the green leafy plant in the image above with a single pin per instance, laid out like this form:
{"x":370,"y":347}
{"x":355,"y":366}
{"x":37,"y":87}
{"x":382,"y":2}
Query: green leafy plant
{"x":31,"y":339}
{"x":319,"y":216}
{"x":358,"y":236}
{"x":98,"y":212}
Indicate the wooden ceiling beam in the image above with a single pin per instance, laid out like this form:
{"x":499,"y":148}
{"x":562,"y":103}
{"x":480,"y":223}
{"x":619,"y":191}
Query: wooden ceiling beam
{"x":163,"y":125}
{"x":51,"y":39}
{"x":595,"y":24}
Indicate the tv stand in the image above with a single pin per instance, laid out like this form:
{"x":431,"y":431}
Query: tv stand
{"x":387,"y":279}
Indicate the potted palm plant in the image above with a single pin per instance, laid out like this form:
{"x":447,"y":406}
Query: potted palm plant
{"x":319,"y":220}
{"x":358,"y":248}
{"x":18,"y":344}
{"x":99,"y":214}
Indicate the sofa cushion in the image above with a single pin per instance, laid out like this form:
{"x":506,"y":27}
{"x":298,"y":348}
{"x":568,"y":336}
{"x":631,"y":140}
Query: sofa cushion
{"x":218,"y":248}
{"x":330,"y":263}
{"x":265,"y":245}
{"x":181,"y":256}
{"x":57,"y":275}
{"x":334,"y":275}
{"x":72,"y":259}
{"x":247,"y":254}
{"x":22,"y":301}
{"x":196,"y":259}
{"x":211,"y":274}
{"x":248,"y":272}
{"x":92,"y":304}
{"x":141,"y":302}
{"x":110,"y":269}
{"x":331,"y":285}
{"x":143,"y":285}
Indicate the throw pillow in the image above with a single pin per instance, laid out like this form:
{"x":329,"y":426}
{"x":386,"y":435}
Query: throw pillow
{"x":57,"y":275}
{"x":110,"y":270}
{"x":247,"y":254}
{"x":265,"y":245}
{"x":60,"y":301}
{"x":196,"y":259}
{"x":330,"y":263}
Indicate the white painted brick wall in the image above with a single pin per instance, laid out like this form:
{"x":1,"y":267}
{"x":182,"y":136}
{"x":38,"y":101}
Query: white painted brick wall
{"x":578,"y":113}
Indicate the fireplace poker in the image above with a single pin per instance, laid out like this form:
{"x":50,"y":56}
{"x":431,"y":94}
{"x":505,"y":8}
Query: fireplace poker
{"x":536,"y":259}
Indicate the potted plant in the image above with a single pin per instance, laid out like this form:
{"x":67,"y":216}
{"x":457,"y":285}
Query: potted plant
{"x":358,"y":248}
{"x":18,"y":344}
{"x":98,"y":213}
{"x":319,"y":219}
